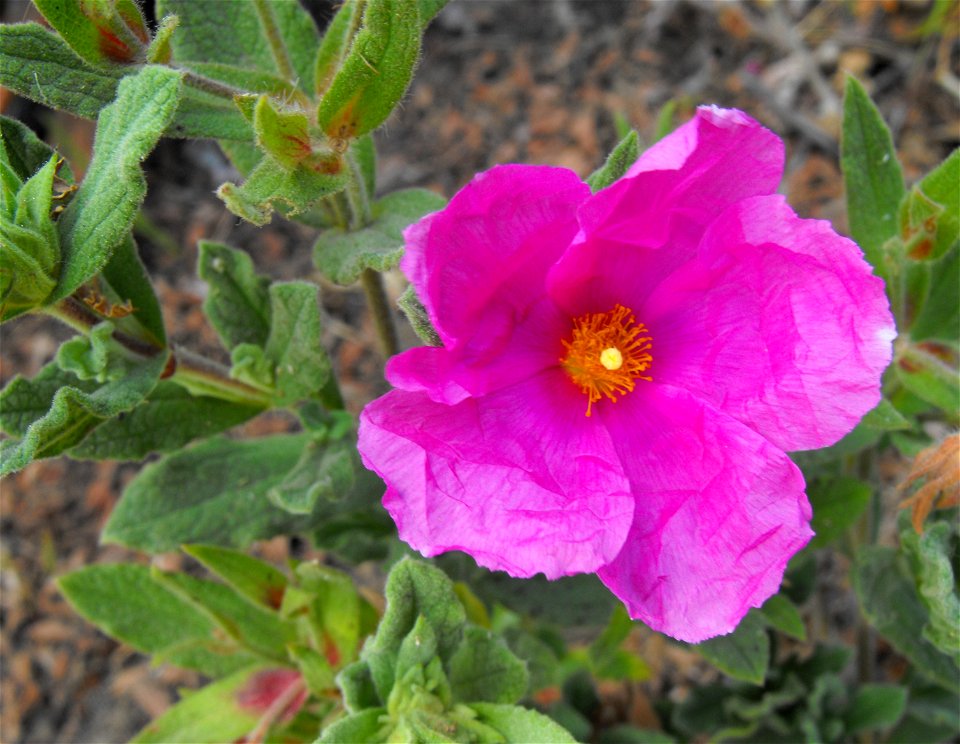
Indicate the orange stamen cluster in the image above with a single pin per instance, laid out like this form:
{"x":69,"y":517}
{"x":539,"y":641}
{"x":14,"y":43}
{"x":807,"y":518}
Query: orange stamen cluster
{"x":607,"y":353}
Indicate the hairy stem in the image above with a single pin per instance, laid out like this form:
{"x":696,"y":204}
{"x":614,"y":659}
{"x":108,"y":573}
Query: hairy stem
{"x":380,"y":309}
{"x":78,"y":316}
{"x":202,"y":376}
{"x":268,"y":23}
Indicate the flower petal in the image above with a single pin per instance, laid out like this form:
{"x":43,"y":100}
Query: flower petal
{"x":665,"y":201}
{"x":483,"y":365}
{"x":719,"y":512}
{"x":520,"y":479}
{"x":779,"y":323}
{"x":480,"y":263}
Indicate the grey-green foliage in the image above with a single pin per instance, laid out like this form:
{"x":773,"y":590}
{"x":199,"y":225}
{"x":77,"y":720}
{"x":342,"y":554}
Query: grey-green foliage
{"x":55,"y":410}
{"x":429,"y":676}
{"x":342,"y":256}
{"x":238,"y":301}
{"x":101,"y":212}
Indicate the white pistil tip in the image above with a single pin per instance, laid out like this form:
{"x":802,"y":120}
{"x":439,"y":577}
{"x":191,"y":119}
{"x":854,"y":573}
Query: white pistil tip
{"x":611,"y":358}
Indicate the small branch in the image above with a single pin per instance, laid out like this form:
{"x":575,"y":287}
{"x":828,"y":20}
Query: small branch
{"x":276,"y":709}
{"x":279,"y":50}
{"x":209,"y":86}
{"x":78,"y":316}
{"x":202,"y":376}
{"x":380,"y":309}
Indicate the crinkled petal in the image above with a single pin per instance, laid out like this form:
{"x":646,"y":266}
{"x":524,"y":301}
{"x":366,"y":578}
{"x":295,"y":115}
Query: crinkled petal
{"x":520,"y":479}
{"x":719,"y":512}
{"x":779,"y":322}
{"x":480,"y":264}
{"x":663,"y":204}
{"x":479,"y":367}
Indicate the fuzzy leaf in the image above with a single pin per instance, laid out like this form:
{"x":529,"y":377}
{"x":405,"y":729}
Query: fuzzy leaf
{"x":418,"y":317}
{"x":342,"y":256}
{"x":97,"y":31}
{"x":336,"y":43}
{"x":871,"y":174}
{"x":484,"y":669}
{"x":521,"y":725}
{"x":743,"y":654}
{"x":39,"y":65}
{"x":837,"y":504}
{"x":930,"y":556}
{"x":255,"y":628}
{"x":617,"y":163}
{"x":248,"y":47}
{"x":102,"y":210}
{"x":254,"y":579}
{"x":282,"y":132}
{"x":168,"y":419}
{"x":323,"y":473}
{"x":123,"y":600}
{"x":875,"y":707}
{"x":939,"y":318}
{"x":933,"y":208}
{"x":127,"y":280}
{"x":782,"y":614}
{"x":211,"y":714}
{"x":73,"y":410}
{"x":928,"y":369}
{"x":26,"y":153}
{"x":889,"y":600}
{"x":214,"y":492}
{"x":238,"y":303}
{"x":376,"y":71}
{"x":271,"y":186}
{"x":886,"y":418}
{"x":363,"y":726}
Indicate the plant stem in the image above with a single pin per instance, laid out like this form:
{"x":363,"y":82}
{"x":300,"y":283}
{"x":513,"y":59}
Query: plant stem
{"x":279,"y":50}
{"x":202,"y":376}
{"x":78,"y":316}
{"x":209,"y":86}
{"x":380,"y":309}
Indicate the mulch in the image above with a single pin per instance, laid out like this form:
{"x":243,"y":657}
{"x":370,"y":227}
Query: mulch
{"x":539,"y":81}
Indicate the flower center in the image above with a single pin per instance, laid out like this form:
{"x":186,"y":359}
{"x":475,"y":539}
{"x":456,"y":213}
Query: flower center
{"x":606,"y":354}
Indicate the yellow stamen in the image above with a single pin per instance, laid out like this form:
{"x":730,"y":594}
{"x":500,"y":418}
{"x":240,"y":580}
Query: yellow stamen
{"x":606,"y":354}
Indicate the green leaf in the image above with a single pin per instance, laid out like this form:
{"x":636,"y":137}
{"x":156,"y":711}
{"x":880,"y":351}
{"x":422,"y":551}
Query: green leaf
{"x":934,"y":202}
{"x":743,"y":654}
{"x":238,"y":302}
{"x":617,"y":163}
{"x":413,"y":589}
{"x":166,"y":420}
{"x":932,"y":715}
{"x":782,"y":614}
{"x":376,"y":71}
{"x":214,"y":492}
{"x":97,"y":31}
{"x":871,"y":174}
{"x":94,"y":356}
{"x":889,"y":600}
{"x":248,"y":47}
{"x":261,"y":631}
{"x":336,"y":43}
{"x":73,"y":410}
{"x":211,"y":714}
{"x":484,"y":669}
{"x":159,"y":52}
{"x":300,"y":364}
{"x":316,"y":670}
{"x":928,"y":369}
{"x":875,"y":707}
{"x":521,"y":725}
{"x":363,"y":726}
{"x":939,"y":317}
{"x":254,"y":579}
{"x":126,"y":280}
{"x":885,"y":417}
{"x":324,"y":472}
{"x":101,"y":212}
{"x":418,"y":317}
{"x":356,"y":684}
{"x":837,"y":505}
{"x":607,"y":659}
{"x":25,"y":152}
{"x":930,"y":556}
{"x":39,"y":65}
{"x":124,"y":601}
{"x":271,"y":186}
{"x":342,"y":256}
{"x":204,"y":114}
{"x":282,"y":132}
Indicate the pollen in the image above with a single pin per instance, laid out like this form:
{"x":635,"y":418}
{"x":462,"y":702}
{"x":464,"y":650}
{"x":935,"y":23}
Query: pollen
{"x":607,"y":353}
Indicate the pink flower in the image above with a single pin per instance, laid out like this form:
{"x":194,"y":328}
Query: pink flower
{"x":622,"y":374}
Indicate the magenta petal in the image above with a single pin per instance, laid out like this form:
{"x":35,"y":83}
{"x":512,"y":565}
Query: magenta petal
{"x":520,"y":479}
{"x":652,"y":219}
{"x":480,"y":263}
{"x":779,"y":323}
{"x":719,"y":512}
